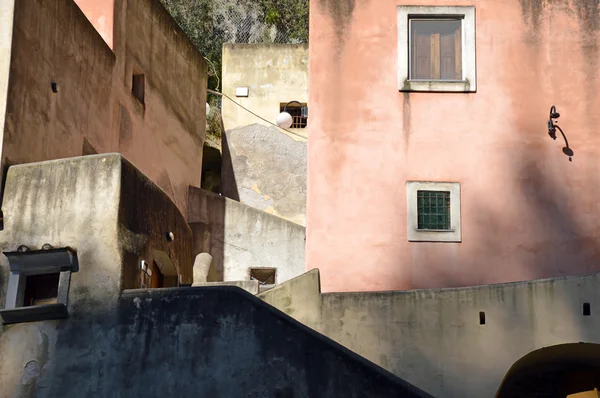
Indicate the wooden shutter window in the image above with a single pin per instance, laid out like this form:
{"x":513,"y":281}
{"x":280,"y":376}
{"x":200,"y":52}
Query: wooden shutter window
{"x":436,"y":49}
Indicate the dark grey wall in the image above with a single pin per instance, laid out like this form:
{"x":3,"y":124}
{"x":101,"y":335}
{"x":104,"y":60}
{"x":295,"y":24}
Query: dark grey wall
{"x":197,"y":342}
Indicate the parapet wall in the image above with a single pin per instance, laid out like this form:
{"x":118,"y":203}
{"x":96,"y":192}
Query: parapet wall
{"x":450,"y":342}
{"x":240,"y":237}
{"x":187,"y":342}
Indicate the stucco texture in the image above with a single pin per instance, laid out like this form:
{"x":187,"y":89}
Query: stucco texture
{"x":265,"y":169}
{"x":105,"y":210}
{"x":434,"y":339}
{"x":93,"y":109}
{"x":187,"y":342}
{"x":274,"y":73}
{"x":527,"y":212}
{"x":239,"y":238}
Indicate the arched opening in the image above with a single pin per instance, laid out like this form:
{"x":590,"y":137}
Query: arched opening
{"x":566,"y":370}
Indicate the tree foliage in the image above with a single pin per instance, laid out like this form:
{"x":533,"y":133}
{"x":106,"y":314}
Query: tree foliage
{"x":210,"y":23}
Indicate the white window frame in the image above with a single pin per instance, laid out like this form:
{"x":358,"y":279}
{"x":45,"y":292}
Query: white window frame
{"x":468,"y":83}
{"x":454,"y":234}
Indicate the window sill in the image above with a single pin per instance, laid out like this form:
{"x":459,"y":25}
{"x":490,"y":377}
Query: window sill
{"x":34,"y":313}
{"x":434,"y":230}
{"x":437,"y":86}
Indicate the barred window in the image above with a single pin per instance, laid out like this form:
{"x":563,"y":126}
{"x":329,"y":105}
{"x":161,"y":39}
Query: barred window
{"x":433,"y":210}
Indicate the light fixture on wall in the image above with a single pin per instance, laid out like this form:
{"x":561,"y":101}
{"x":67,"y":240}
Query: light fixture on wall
{"x":285,"y":120}
{"x":552,"y":126}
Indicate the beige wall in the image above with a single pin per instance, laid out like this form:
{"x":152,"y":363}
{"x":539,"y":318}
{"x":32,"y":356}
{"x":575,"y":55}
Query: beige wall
{"x":527,"y":212}
{"x":163,"y":137}
{"x":239,"y":238}
{"x":434,"y":339}
{"x":275,"y":74}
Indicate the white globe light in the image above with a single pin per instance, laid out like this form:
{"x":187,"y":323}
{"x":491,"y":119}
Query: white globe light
{"x":284,"y":120}
{"x":207,"y":109}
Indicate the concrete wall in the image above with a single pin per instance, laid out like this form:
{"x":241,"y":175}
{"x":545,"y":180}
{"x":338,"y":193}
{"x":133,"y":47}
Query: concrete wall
{"x":189,"y":342}
{"x":106,"y":210}
{"x":275,"y":74}
{"x":265,"y":169}
{"x":94,"y":107}
{"x":527,"y":212}
{"x":434,"y":339}
{"x":240,"y":237}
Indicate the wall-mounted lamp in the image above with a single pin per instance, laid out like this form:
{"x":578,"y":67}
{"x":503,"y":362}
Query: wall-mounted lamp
{"x":554,"y":115}
{"x":285,"y":120}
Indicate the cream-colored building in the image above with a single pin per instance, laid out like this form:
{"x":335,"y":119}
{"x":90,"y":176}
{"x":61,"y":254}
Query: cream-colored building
{"x":264,"y":166}
{"x":263,"y":78}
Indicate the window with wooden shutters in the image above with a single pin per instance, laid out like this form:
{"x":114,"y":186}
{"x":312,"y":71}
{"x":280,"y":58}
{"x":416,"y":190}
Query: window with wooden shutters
{"x":436,"y":49}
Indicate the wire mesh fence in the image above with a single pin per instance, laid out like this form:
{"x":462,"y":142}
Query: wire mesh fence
{"x":211,"y":23}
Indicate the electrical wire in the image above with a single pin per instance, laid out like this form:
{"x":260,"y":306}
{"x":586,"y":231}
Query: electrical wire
{"x":260,"y":117}
{"x":215,"y":72}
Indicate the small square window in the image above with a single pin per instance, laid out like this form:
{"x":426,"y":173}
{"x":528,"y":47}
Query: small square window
{"x":433,"y":211}
{"x":295,"y":111}
{"x":41,"y":289}
{"x":436,"y":48}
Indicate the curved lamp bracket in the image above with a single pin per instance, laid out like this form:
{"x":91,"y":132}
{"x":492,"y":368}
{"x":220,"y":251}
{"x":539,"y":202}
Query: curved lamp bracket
{"x":552,"y":127}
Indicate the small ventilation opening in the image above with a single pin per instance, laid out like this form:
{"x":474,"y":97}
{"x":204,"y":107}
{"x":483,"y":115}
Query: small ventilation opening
{"x":296,"y":111}
{"x":138,"y":85}
{"x":587,"y":311}
{"x":264,"y":276}
{"x":54,"y":87}
{"x":482,"y":318}
{"x":41,"y":289}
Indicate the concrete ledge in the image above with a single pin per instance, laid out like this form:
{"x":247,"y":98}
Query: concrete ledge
{"x":251,"y":287}
{"x":299,"y":297}
{"x":34,"y":314}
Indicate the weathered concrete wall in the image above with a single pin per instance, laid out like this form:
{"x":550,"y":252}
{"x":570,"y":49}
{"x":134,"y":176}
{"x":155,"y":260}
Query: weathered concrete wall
{"x":163,"y":137}
{"x":434,"y":339}
{"x":274,"y":73}
{"x":102,"y":207}
{"x":527,"y":212}
{"x":240,"y":237}
{"x":188,"y":342}
{"x":265,"y":169}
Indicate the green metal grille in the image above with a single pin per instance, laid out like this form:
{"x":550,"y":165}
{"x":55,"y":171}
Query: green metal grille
{"x":433,"y":209}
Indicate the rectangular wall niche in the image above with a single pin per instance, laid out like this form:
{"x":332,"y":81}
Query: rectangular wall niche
{"x":38,"y":284}
{"x":264,"y":276}
{"x":138,"y":84}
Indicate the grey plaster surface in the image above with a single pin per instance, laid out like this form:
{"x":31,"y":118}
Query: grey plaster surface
{"x":185,"y":342}
{"x":435,"y":338}
{"x":240,"y":237}
{"x":266,"y":169}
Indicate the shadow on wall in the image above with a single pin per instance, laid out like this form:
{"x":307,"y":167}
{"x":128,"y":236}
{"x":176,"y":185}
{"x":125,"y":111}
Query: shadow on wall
{"x":204,"y":335}
{"x":211,"y":169}
{"x":230,"y":188}
{"x":554,"y":372}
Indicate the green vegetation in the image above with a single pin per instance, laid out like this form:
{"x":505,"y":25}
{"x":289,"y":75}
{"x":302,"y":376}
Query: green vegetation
{"x":210,"y":23}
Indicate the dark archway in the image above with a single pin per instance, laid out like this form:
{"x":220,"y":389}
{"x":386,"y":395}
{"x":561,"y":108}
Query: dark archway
{"x":553,"y":372}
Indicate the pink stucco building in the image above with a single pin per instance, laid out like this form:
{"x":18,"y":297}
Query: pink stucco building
{"x":405,"y":96}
